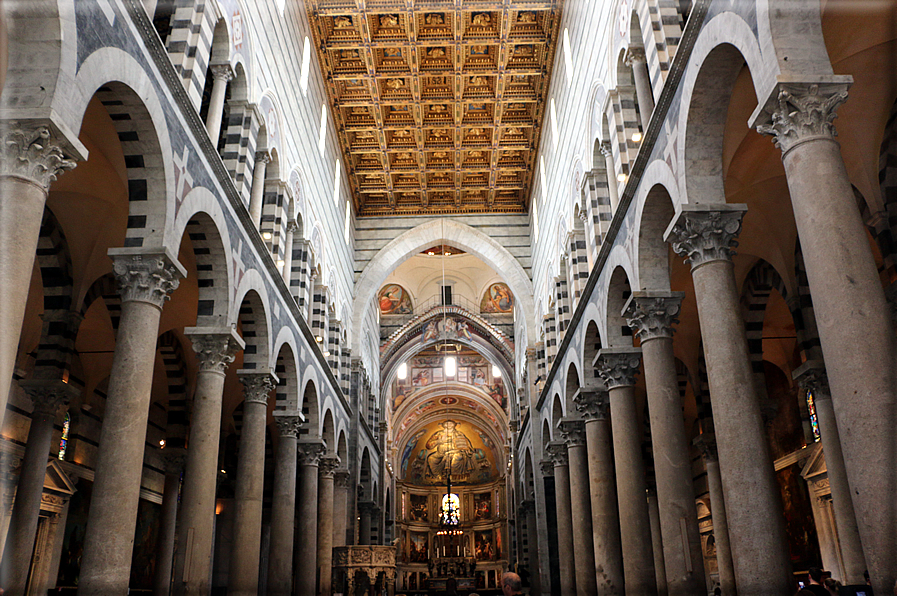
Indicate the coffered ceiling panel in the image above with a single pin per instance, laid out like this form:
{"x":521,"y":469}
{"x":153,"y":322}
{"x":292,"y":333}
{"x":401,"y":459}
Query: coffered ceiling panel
{"x":438,"y":103}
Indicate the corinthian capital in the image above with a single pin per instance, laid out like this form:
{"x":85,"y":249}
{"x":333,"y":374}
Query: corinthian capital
{"x":653,"y":314}
{"x":617,"y":367}
{"x":222,"y":72}
{"x":634,"y":55}
{"x":557,"y":451}
{"x":811,"y":376}
{"x":801,"y":112}
{"x":47,"y":395}
{"x":592,"y":403}
{"x":215,"y":348}
{"x":341,"y":478}
{"x":146,"y":276}
{"x":289,"y":422}
{"x":607,"y":150}
{"x":34,"y":153}
{"x":574,"y":431}
{"x":705,"y":233}
{"x":327,"y":466}
{"x":257,"y":385}
{"x":310,"y":451}
{"x":262,"y":157}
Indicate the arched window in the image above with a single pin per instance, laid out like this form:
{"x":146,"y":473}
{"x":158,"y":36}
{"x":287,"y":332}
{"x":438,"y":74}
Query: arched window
{"x":814,"y":420}
{"x":64,"y":441}
{"x":451,"y":509}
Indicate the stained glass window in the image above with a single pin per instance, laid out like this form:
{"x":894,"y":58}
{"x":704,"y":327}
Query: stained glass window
{"x":64,"y":441}
{"x":451,"y":509}
{"x":814,"y":420}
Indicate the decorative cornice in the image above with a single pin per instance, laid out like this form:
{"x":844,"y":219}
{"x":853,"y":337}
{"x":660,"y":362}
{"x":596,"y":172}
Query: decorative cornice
{"x":592,"y":403}
{"x":557,"y":451}
{"x":146,"y":276}
{"x":215,"y":348}
{"x":310,"y":451}
{"x":573,"y":431}
{"x":617,"y":367}
{"x":652,"y":314}
{"x":34,"y":153}
{"x":257,"y":386}
{"x":801,"y":112}
{"x":705,"y":233}
{"x":289,"y":422}
{"x":811,"y":376}
{"x":327,"y":466}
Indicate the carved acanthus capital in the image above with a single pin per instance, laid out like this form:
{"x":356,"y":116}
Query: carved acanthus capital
{"x":47,"y":395}
{"x":341,"y":478}
{"x":592,"y":403}
{"x":257,"y":385}
{"x":634,"y":55}
{"x":310,"y":451}
{"x":146,"y":276}
{"x":607,"y":150}
{"x":557,"y":451}
{"x":801,"y":112}
{"x":262,"y":157}
{"x":811,"y":376}
{"x":222,"y":72}
{"x":174,"y":460}
{"x":546,"y":466}
{"x":705,"y":233}
{"x":34,"y":153}
{"x":215,"y":348}
{"x":367,"y":507}
{"x":574,"y":431}
{"x":617,"y":367}
{"x":652,"y":315}
{"x":327,"y":466}
{"x":289,"y":422}
{"x":706,"y":442}
{"x":527,"y":506}
{"x":292,"y":226}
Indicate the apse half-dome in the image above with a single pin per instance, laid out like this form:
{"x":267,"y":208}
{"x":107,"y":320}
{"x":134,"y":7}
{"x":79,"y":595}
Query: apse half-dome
{"x":449,"y":446}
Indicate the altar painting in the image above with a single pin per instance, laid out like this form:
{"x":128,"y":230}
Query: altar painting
{"x":449,"y":447}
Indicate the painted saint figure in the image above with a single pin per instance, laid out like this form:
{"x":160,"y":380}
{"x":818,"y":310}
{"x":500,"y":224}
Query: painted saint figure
{"x":453,"y":452}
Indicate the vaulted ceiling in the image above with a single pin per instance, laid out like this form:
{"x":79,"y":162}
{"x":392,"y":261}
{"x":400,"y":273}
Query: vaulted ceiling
{"x":438,"y":104}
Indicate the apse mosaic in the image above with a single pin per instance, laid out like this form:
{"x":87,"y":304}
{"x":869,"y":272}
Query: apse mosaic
{"x":425,"y":371}
{"x":449,"y":447}
{"x":497,"y":299}
{"x":393,"y":299}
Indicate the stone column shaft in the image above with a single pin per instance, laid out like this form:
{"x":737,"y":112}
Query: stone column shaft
{"x":652,"y":316}
{"x":340,"y":506}
{"x":145,"y":281}
{"x":306,"y":544}
{"x":327,"y":467}
{"x":283,"y":507}
{"x":706,"y":235}
{"x":660,"y":570}
{"x":566,"y":562}
{"x":636,"y":60}
{"x":617,"y":368}
{"x":222,"y":74}
{"x":812,"y":376}
{"x":30,"y":160}
{"x":853,"y":318}
{"x":243,"y":576}
{"x":288,"y":253}
{"x":580,"y":506}
{"x":365,"y":511}
{"x":215,"y":351}
{"x":174,"y":465}
{"x":609,"y":165}
{"x":257,"y":192}
{"x":47,"y":397}
{"x":718,"y":514}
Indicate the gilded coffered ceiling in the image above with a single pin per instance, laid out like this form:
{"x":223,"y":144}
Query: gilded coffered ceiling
{"x":438,"y":104}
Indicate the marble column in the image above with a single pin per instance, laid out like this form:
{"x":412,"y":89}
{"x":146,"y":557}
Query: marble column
{"x":366,"y":513}
{"x":145,"y":280}
{"x":243,"y":576}
{"x":287,"y":272}
{"x":638,"y":62}
{"x":31,"y":157}
{"x":617,"y":367}
{"x":222,"y":74}
{"x":174,"y":460}
{"x":811,"y":376}
{"x":853,"y":318}
{"x":257,"y":192}
{"x":705,"y":235}
{"x":528,"y":511}
{"x":310,"y":452}
{"x":652,"y":317}
{"x":557,"y":451}
{"x":660,"y":570}
{"x":326,"y":469}
{"x":283,"y":506}
{"x":612,"y":190}
{"x":593,"y":405}
{"x":706,"y":442}
{"x":215,"y":350}
{"x":574,"y":432}
{"x":340,"y":505}
{"x":46,"y":396}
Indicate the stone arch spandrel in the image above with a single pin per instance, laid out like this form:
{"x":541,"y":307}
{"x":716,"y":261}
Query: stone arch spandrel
{"x":425,"y":235}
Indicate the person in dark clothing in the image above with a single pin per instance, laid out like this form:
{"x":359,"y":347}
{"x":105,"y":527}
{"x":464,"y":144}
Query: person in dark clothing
{"x":816,"y":587}
{"x":511,"y":584}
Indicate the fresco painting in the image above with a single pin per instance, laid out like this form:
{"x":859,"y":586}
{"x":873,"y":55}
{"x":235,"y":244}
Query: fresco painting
{"x":393,"y":299}
{"x":497,"y":299}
